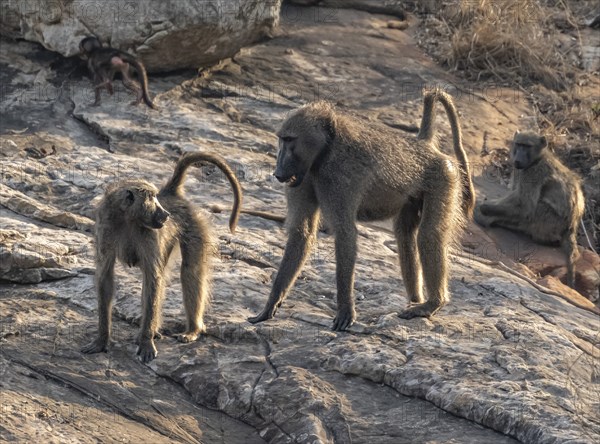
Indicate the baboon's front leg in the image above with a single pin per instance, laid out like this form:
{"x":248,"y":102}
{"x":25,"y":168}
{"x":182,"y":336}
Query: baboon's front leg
{"x":105,"y":287}
{"x":102,"y":79}
{"x":304,"y":222}
{"x":152,"y":295}
{"x":98,"y":85}
{"x":345,"y":255}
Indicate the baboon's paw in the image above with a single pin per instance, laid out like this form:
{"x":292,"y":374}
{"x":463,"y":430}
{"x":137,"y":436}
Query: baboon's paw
{"x":425,"y":310}
{"x":146,"y":351}
{"x":189,"y":336}
{"x":344,"y":319}
{"x":96,"y":346}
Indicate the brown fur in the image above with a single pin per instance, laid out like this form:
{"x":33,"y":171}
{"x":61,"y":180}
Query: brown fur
{"x":546,"y":201}
{"x":104,"y":63}
{"x":343,"y":170}
{"x":133,"y":226}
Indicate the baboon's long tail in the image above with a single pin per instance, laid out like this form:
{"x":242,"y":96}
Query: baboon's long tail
{"x":143,"y":79}
{"x":174,"y":184}
{"x":426,"y":133}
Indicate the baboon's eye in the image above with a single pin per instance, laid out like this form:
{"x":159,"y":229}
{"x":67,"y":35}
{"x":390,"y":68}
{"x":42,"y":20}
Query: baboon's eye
{"x":288,"y":139}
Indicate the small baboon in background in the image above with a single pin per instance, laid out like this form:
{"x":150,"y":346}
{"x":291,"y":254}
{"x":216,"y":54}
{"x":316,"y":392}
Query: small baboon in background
{"x":140,"y":226}
{"x":339,"y":167}
{"x":104,"y":63}
{"x":546,"y":201}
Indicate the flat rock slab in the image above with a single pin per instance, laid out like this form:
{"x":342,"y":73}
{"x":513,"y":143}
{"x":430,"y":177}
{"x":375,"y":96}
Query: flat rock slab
{"x":502,"y":362}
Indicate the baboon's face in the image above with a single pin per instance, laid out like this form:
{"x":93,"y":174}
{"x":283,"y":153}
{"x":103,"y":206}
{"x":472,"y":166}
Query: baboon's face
{"x":301,"y":139}
{"x":88,"y":44}
{"x":142,"y":207}
{"x":526,"y":149}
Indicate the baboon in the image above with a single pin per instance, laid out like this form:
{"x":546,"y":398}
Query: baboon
{"x":546,"y":201}
{"x":140,"y":226}
{"x":339,"y":167}
{"x":104,"y":63}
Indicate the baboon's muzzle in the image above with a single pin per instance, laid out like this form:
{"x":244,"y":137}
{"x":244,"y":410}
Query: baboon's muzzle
{"x":293,"y":181}
{"x":159,"y":219}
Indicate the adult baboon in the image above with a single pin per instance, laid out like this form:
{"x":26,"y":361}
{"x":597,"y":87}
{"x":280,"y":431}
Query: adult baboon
{"x":546,"y":201}
{"x":104,"y":63}
{"x":140,"y":226}
{"x":339,"y":167}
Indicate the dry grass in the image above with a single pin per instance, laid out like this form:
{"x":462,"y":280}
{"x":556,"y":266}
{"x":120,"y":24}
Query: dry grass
{"x":504,"y":39}
{"x":535,"y":46}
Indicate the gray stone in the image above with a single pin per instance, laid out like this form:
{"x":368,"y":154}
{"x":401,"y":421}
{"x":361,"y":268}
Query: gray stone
{"x":167,"y":35}
{"x":502,"y":362}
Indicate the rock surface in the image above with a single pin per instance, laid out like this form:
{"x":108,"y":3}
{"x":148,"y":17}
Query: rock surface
{"x":502,"y":363}
{"x":166,"y":34}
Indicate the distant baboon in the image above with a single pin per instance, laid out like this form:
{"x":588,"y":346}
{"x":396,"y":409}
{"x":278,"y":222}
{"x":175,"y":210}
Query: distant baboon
{"x":344,"y":169}
{"x":140,"y":226}
{"x":104,"y":63}
{"x":546,"y":201}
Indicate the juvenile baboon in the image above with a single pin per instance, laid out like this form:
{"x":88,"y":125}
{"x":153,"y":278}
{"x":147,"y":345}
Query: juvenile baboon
{"x":340,"y":167}
{"x":140,"y":226}
{"x":104,"y":63}
{"x":546,"y":201}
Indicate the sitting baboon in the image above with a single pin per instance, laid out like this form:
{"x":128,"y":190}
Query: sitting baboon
{"x":546,"y":201}
{"x":344,"y":169}
{"x":140,"y":226}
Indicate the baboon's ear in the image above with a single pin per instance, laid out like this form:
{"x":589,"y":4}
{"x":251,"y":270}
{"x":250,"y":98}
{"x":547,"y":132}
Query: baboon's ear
{"x":329,"y":125}
{"x":543,"y":142}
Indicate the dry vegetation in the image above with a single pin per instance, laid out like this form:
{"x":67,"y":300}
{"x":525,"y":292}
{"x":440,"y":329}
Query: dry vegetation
{"x":538,"y":47}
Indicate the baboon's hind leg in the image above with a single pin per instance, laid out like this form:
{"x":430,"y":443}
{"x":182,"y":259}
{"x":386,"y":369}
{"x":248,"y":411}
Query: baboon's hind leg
{"x":438,"y":219}
{"x":132,"y":85}
{"x":195,"y":278}
{"x":406,"y":227}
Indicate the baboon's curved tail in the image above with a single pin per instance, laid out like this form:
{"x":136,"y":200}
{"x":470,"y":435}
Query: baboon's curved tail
{"x":143,"y":79}
{"x":173,"y":186}
{"x":426,"y":133}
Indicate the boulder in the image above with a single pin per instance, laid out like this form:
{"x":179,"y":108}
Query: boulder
{"x":167,"y":35}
